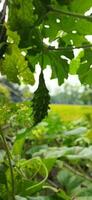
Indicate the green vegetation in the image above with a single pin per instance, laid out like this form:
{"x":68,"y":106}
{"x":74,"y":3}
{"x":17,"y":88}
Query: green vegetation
{"x":44,"y":157}
{"x":51,"y":160}
{"x":71,"y":112}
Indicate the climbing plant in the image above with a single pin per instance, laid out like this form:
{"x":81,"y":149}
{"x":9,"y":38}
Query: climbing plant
{"x":29,"y":22}
{"x":23,"y":34}
{"x":25,"y":26}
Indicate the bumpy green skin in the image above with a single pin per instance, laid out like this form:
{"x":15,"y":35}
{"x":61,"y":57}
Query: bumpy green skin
{"x":40,"y":101}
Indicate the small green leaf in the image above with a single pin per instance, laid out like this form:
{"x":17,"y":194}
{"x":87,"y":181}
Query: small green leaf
{"x":75,"y":63}
{"x":19,"y":141}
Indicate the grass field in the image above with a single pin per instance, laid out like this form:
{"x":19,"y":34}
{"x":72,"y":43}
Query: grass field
{"x":71,"y":112}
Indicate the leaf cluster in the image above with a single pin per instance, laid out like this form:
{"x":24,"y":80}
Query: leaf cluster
{"x":30,"y":22}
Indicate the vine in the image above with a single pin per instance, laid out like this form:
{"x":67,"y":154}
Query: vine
{"x":10,"y":163}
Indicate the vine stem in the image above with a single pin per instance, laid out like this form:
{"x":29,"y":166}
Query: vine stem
{"x":77,"y":172}
{"x":72,"y":14}
{"x":10,"y":163}
{"x":69,"y":48}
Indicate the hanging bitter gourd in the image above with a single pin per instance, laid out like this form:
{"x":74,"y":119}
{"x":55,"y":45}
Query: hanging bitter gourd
{"x":40,"y":101}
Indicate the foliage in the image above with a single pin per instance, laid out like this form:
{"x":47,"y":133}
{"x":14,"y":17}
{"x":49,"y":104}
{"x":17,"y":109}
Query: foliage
{"x":29,"y":22}
{"x":52,"y":160}
{"x":45,"y":156}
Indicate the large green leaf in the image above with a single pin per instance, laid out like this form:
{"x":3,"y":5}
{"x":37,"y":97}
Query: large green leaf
{"x":15,"y":66}
{"x":69,"y":180}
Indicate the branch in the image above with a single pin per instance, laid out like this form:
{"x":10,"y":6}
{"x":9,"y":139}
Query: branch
{"x":62,"y":12}
{"x":3,"y":13}
{"x":69,"y":48}
{"x":77,"y":172}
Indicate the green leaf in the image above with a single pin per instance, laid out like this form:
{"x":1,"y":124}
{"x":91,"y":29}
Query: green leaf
{"x":21,"y":19}
{"x":86,"y":153}
{"x":69,"y":180}
{"x":85,"y":71}
{"x":75,"y":38}
{"x":59,"y":65}
{"x":67,"y":24}
{"x":51,"y":27}
{"x":76,"y":131}
{"x":88,"y":77}
{"x":15,"y":66}
{"x":19,"y":141}
{"x":85,"y":192}
{"x":8,"y":66}
{"x":80,"y":6}
{"x":72,"y":153}
{"x":50,"y":162}
{"x":63,"y":195}
{"x":86,"y":27}
{"x":75,"y":63}
{"x":57,"y":152}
